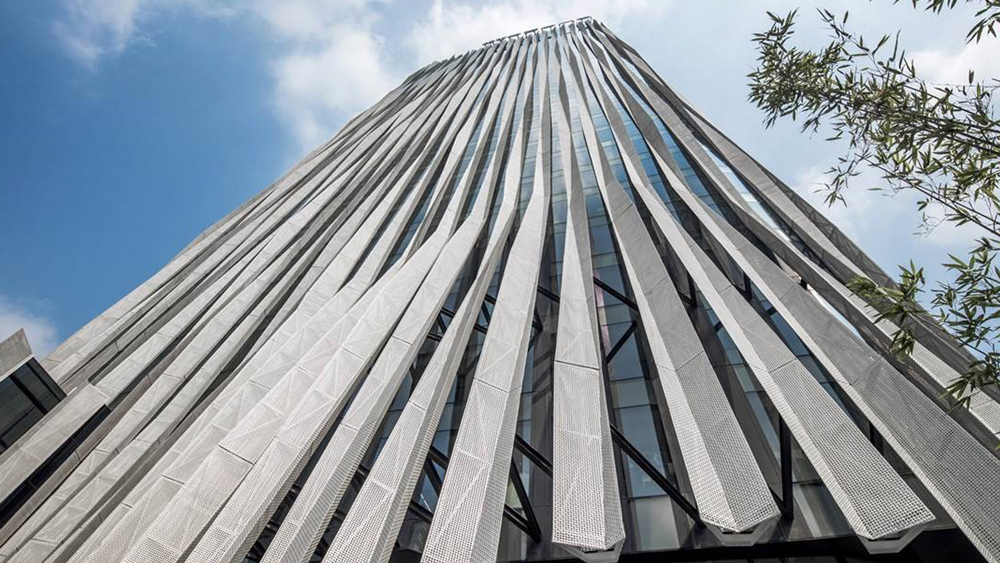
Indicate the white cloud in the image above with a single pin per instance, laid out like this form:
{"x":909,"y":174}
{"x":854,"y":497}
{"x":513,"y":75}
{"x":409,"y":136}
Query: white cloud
{"x":41,"y":331}
{"x":315,"y":87}
{"x":329,"y":62}
{"x":94,"y":29}
{"x":878,"y":219}
{"x":867,"y":213}
{"x":455,"y":27}
{"x":950,"y":67}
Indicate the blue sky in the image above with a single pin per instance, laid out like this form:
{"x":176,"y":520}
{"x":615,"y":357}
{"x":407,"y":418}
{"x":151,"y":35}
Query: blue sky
{"x":128,"y":126}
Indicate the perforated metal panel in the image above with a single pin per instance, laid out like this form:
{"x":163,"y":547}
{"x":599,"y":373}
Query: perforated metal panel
{"x":728,"y":486}
{"x":368,"y":533}
{"x":860,"y":480}
{"x":467,"y":521}
{"x":586,"y":509}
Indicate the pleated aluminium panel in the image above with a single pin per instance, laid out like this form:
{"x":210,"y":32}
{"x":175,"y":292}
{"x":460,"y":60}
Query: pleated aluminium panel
{"x":728,"y":486}
{"x":229,"y":408}
{"x":586,"y":513}
{"x":861,"y":481}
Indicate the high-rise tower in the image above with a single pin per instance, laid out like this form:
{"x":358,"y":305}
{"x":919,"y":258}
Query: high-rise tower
{"x":531,"y":305}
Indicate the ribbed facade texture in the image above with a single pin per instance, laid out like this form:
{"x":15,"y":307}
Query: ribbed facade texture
{"x":530,"y":306}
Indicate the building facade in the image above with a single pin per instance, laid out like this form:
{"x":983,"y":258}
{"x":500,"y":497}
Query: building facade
{"x":530,"y":306}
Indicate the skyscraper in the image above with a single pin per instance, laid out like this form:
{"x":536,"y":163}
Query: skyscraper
{"x":532,"y":305}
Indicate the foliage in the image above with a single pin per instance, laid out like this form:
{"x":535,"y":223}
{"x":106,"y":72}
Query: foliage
{"x":940,"y":141}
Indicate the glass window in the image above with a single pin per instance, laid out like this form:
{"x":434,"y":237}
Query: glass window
{"x":629,"y":393}
{"x":655,"y":524}
{"x":626,"y":363}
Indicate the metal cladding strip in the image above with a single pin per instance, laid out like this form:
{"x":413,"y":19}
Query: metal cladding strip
{"x":164,"y":388}
{"x":412,"y":149}
{"x":826,"y":240}
{"x":231,"y":534}
{"x":353,"y":150}
{"x":303,"y":302}
{"x":727,"y":483}
{"x":467,"y":521}
{"x":459,"y":129}
{"x":279,"y":459}
{"x":182,"y":520}
{"x":101,"y":470}
{"x":369,"y":531}
{"x":229,"y":408}
{"x":862,"y":483}
{"x":173,"y":412}
{"x":21,"y":460}
{"x":262,"y":451}
{"x":828,"y":249}
{"x":501,"y":85}
{"x":336,"y":306}
{"x":99,"y":478}
{"x":233,"y":531}
{"x":586,"y":508}
{"x":183,"y":275}
{"x":487,"y":82}
{"x":211,"y":432}
{"x":874,"y":498}
{"x":296,"y":311}
{"x":949,"y":462}
{"x":309,"y":517}
{"x":353,"y":147}
{"x":18,"y":462}
{"x":136,"y":512}
{"x":860,"y":314}
{"x":32,"y":449}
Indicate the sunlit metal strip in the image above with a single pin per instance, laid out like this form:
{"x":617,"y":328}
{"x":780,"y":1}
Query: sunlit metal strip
{"x":22,"y":459}
{"x":249,"y":395}
{"x":233,"y":531}
{"x":369,"y":532}
{"x":25,"y":457}
{"x":59,"y":424}
{"x":944,"y":456}
{"x":315,"y":504}
{"x":315,"y":292}
{"x":255,"y":458}
{"x":97,"y":483}
{"x":256,"y":441}
{"x":729,"y":489}
{"x":863,"y":484}
{"x":138,"y":510}
{"x":586,"y":508}
{"x":453,"y":157}
{"x":466,"y":526}
{"x":301,"y":175}
{"x":134,"y":411}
